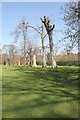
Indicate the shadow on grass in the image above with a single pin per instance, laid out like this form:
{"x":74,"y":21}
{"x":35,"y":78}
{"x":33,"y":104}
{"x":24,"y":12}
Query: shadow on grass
{"x":38,"y":92}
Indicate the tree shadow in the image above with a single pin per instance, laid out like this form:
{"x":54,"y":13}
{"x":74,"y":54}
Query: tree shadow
{"x":52,"y":88}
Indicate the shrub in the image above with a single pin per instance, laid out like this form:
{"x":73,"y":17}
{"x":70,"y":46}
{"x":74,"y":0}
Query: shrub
{"x":68,"y":63}
{"x":4,"y":62}
{"x":39,"y":63}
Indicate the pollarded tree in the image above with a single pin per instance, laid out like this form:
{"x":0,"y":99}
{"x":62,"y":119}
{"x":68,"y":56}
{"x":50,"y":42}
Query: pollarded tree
{"x":49,"y":29}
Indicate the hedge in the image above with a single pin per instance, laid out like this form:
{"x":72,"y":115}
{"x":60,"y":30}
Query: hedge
{"x":63,"y":63}
{"x":68,"y":63}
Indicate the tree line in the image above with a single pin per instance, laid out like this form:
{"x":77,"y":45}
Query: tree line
{"x":28,"y":51}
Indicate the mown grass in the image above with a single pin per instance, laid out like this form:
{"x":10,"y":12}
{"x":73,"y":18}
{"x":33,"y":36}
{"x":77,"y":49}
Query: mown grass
{"x":39,"y":92}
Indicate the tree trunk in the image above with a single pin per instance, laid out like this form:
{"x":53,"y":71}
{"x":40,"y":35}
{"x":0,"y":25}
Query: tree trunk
{"x":18,"y":60}
{"x":34,"y":61}
{"x":24,"y":47}
{"x":43,"y":49}
{"x":53,"y":62}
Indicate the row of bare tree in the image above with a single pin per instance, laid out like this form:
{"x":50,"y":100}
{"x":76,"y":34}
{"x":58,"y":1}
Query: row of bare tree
{"x":29,"y":56}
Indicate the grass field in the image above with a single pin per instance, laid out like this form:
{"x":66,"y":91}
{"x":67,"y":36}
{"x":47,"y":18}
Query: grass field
{"x":39,"y":92}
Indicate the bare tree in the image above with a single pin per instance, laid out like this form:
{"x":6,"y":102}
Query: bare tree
{"x":72,"y":21}
{"x":43,"y":47}
{"x":42,"y":39}
{"x":49,"y":29}
{"x":22,"y":30}
{"x":11,"y":52}
{"x":24,"y":34}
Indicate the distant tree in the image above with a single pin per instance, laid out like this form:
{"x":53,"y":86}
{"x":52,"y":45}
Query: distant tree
{"x":72,"y":21}
{"x":0,"y":50}
{"x":6,"y":50}
{"x":11,"y":52}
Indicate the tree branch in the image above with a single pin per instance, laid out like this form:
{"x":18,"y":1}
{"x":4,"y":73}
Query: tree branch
{"x":34,"y":29}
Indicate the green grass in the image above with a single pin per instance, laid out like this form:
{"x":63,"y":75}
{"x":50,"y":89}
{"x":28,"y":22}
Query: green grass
{"x":39,"y":92}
